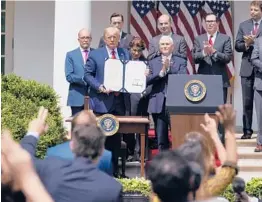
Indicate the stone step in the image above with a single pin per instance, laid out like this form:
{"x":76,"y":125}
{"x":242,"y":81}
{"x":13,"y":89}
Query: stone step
{"x":249,"y":175}
{"x":246,"y":143}
{"x":250,"y":165}
{"x":248,"y":153}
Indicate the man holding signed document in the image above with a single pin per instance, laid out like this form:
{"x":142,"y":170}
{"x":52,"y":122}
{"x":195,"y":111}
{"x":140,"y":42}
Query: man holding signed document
{"x":108,"y":80}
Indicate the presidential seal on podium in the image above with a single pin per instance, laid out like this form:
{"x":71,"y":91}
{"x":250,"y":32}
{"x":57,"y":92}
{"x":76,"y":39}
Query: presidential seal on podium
{"x":108,"y":124}
{"x":195,"y":90}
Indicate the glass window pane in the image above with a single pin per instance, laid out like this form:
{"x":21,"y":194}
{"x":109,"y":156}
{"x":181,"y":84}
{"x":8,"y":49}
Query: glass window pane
{"x":2,"y":5}
{"x":2,"y":21}
{"x":2,"y":65}
{"x":2,"y":44}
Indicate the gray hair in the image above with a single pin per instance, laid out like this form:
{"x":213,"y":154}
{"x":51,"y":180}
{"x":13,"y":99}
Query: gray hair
{"x":166,"y":37}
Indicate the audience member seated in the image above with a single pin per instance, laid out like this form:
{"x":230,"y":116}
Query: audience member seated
{"x":197,"y":149}
{"x":63,"y":150}
{"x":78,"y":179}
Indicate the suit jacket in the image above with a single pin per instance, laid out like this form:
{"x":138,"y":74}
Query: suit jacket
{"x":73,"y":180}
{"x":124,"y":41}
{"x":74,"y":72}
{"x":63,"y":150}
{"x":256,"y":60}
{"x":216,"y":63}
{"x":178,"y":65}
{"x":245,"y":28}
{"x":94,"y":76}
{"x":179,"y":43}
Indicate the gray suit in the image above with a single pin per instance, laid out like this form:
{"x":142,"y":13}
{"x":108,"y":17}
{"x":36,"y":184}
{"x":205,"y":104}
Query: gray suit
{"x":216,"y":63}
{"x":179,"y":43}
{"x":256,"y":60}
{"x":124,"y":41}
{"x":246,"y":73}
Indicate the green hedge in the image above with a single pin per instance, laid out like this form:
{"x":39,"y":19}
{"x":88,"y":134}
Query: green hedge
{"x":140,"y":185}
{"x":21,"y":100}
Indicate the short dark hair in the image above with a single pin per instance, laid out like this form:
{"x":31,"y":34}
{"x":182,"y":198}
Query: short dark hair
{"x":170,"y":176}
{"x":257,"y":4}
{"x":88,"y":141}
{"x":208,"y":14}
{"x":117,"y":15}
{"x":137,"y":42}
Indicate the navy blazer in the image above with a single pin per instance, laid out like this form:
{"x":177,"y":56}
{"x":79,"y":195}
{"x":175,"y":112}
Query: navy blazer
{"x":178,"y":65}
{"x":74,"y":72}
{"x":73,"y":180}
{"x":94,"y":76}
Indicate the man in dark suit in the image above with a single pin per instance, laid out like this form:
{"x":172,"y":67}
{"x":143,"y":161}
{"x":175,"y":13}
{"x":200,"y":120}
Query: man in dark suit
{"x":74,"y":72}
{"x":161,"y":66}
{"x":73,"y":180}
{"x":117,"y":20}
{"x":247,"y":32}
{"x":213,"y":51}
{"x":104,"y":100}
{"x":256,"y":60}
{"x":164,"y":25}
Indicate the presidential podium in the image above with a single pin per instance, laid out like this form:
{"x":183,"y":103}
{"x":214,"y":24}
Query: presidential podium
{"x":189,"y":97}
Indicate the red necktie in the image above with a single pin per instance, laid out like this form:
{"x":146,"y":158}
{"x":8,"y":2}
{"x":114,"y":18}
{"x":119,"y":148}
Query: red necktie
{"x":113,"y":53}
{"x":255,"y":29}
{"x":210,"y":40}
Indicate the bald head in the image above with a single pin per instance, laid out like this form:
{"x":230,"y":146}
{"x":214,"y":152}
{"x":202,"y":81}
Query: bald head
{"x":84,"y":38}
{"x":164,"y":24}
{"x":111,"y":37}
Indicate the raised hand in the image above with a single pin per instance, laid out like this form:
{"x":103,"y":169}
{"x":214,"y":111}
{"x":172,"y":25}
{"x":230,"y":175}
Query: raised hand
{"x":39,"y":125}
{"x":227,"y":117}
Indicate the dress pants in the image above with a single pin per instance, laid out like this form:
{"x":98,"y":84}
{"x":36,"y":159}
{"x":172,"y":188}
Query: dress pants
{"x":221,"y":128}
{"x":113,"y":143}
{"x":138,"y":108}
{"x":258,"y":105}
{"x":161,"y":123}
{"x":76,"y":110}
{"x":247,"y":84}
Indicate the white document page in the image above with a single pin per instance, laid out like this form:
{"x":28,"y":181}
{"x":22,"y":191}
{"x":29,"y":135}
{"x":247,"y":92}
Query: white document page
{"x":135,"y":79}
{"x":113,"y":74}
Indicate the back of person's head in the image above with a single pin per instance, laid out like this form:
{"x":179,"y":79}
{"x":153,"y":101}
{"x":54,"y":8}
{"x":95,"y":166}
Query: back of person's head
{"x":171,"y":176}
{"x":83,"y":117}
{"x":197,"y":148}
{"x":87,"y":141}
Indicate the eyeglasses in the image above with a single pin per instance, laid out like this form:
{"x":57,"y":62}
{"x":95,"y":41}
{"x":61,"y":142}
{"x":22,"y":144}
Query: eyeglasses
{"x":85,"y":37}
{"x":211,"y":21}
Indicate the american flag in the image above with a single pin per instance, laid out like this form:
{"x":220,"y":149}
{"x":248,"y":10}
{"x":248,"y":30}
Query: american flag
{"x":187,"y":20}
{"x":143,"y":20}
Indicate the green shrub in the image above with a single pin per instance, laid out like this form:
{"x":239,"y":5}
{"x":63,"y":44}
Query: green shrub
{"x":140,"y":185}
{"x":136,"y":185}
{"x":21,"y":100}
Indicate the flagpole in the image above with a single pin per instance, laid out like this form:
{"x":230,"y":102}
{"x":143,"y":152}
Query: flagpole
{"x":233,"y":35}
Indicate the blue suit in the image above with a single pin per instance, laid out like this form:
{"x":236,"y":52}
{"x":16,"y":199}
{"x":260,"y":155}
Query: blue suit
{"x":102,"y":103}
{"x":63,"y":150}
{"x":94,"y":76}
{"x":157,"y":97}
{"x":73,"y":180}
{"x":74,"y":72}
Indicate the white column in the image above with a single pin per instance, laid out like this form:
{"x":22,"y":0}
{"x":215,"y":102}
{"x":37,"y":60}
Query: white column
{"x":70,"y":17}
{"x":241,"y":13}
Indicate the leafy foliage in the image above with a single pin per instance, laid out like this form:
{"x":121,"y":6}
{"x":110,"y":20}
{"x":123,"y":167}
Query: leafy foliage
{"x":21,"y":100}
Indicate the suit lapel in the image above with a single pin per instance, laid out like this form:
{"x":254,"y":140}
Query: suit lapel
{"x":123,"y":35}
{"x":259,"y":31}
{"x":216,"y":42}
{"x":80,"y":56}
{"x":105,"y":53}
{"x":121,"y":54}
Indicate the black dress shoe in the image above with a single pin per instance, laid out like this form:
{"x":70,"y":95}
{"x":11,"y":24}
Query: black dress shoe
{"x":246,"y":136}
